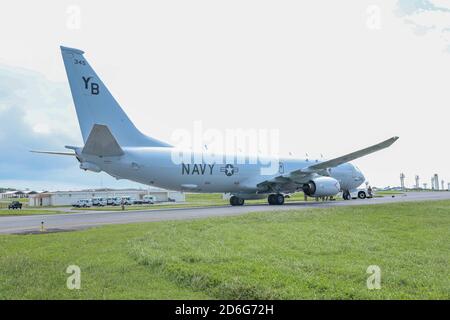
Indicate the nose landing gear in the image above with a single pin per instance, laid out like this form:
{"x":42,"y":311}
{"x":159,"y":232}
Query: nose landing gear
{"x":276,"y":199}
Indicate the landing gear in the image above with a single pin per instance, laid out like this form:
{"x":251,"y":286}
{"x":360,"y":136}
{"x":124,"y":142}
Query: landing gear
{"x":276,"y":199}
{"x":235,"y":201}
{"x":346,"y":195}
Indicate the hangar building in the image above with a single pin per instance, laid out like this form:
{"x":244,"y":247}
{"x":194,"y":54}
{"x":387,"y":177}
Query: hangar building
{"x":17,"y":194}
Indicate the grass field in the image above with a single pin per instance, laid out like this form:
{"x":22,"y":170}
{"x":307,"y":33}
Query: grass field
{"x":25,"y":212}
{"x":305,"y":254}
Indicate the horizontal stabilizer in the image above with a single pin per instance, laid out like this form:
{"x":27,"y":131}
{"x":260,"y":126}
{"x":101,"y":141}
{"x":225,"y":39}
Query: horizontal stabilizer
{"x":55,"y":153}
{"x":101,"y":142}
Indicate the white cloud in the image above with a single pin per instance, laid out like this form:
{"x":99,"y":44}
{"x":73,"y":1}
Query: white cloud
{"x":41,"y":128}
{"x":427,"y":18}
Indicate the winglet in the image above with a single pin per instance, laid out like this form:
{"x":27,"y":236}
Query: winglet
{"x":388,"y":142}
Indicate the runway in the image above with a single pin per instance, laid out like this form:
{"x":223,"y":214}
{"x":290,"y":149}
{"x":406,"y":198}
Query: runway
{"x":76,"y":221}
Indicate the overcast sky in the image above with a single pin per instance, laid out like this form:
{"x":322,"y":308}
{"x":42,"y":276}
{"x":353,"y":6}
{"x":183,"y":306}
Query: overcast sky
{"x":332,"y":76}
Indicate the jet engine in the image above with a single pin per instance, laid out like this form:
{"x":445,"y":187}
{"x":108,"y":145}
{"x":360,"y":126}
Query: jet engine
{"x":322,"y":187}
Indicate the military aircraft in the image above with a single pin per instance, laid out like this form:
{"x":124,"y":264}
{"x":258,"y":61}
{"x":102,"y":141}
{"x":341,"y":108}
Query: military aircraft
{"x":114,"y":145}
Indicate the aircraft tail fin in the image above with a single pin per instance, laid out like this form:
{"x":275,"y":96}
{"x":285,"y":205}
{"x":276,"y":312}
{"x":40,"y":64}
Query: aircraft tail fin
{"x":101,"y":142}
{"x":94,"y":103}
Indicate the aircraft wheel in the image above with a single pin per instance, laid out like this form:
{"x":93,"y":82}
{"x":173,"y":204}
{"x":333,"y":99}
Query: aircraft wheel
{"x":346,"y":195}
{"x":235,"y":201}
{"x":271,"y":199}
{"x":279,"y":199}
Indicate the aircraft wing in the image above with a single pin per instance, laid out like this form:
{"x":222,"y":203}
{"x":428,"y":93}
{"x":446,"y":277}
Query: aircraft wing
{"x":352,"y":156}
{"x":302,"y":175}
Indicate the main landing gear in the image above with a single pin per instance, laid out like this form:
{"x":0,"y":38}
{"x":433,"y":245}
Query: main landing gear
{"x":276,"y":199}
{"x":236,"y":201}
{"x":346,"y":195}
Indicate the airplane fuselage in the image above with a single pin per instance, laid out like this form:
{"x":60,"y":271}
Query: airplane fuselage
{"x":155,"y":167}
{"x":113,"y":144}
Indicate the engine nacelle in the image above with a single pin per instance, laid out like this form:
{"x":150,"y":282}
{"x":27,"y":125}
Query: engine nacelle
{"x":322,"y":187}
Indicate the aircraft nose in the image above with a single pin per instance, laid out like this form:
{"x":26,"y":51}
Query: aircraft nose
{"x":359,"y":175}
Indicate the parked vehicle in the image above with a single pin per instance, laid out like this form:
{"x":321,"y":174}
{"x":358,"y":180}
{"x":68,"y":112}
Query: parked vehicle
{"x":15,"y":205}
{"x":360,"y":193}
{"x":110,"y":201}
{"x":118,"y":201}
{"x":83,"y":203}
{"x":127,"y":201}
{"x":100,"y":202}
{"x":148,"y":199}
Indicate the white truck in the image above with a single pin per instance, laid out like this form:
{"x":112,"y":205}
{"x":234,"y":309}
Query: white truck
{"x":118,"y":201}
{"x":100,"y":202}
{"x":148,"y":199}
{"x":83,"y":203}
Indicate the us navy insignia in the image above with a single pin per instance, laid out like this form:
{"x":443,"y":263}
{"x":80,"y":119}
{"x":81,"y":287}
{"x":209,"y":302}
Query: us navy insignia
{"x":229,"y":170}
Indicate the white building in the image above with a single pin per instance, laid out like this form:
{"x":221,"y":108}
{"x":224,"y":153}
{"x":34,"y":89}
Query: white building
{"x":16,"y":194}
{"x":66,"y":198}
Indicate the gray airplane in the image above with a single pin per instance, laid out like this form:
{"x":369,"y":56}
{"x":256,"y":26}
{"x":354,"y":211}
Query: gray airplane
{"x":114,"y":145}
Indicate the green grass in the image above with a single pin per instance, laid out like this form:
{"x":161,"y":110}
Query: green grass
{"x":305,"y":254}
{"x":388,"y":193}
{"x":25,"y":212}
